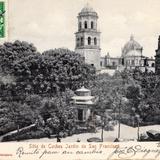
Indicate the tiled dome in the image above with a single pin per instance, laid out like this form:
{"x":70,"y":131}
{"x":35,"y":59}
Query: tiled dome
{"x":131,"y":45}
{"x":87,"y":8}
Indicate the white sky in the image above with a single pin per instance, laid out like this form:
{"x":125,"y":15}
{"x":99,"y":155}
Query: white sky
{"x":52,"y":23}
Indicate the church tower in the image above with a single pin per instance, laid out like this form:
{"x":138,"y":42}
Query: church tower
{"x":157,"y":58}
{"x":88,"y":37}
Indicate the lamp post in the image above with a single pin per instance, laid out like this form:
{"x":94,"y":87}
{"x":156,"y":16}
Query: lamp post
{"x":119,"y":119}
{"x":105,"y":120}
{"x":103,"y":124}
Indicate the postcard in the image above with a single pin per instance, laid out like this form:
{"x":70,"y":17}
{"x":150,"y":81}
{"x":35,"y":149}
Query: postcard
{"x":79,"y":79}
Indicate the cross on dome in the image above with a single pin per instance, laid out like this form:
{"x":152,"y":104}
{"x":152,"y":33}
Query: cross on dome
{"x":87,"y":5}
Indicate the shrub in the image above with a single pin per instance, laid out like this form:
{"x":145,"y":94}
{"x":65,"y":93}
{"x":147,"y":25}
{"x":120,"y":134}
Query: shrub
{"x":8,"y":127}
{"x":29,"y":133}
{"x":109,"y":127}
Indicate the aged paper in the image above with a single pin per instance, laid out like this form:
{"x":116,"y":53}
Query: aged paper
{"x":79,"y":79}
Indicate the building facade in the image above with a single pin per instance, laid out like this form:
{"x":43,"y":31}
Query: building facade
{"x":131,"y":57}
{"x":84,"y":104}
{"x":132,"y":54}
{"x":87,"y":40}
{"x":88,"y":37}
{"x":109,"y":62}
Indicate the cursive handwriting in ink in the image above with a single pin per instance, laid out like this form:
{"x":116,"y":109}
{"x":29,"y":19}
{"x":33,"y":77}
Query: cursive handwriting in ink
{"x":131,"y":151}
{"x":46,"y":152}
{"x":20,"y":152}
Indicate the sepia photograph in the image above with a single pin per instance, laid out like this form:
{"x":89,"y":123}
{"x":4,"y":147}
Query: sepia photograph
{"x":79,"y":71}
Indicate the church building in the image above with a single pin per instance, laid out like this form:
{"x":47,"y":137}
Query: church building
{"x":88,"y":46}
{"x":132,"y":54}
{"x":131,"y":57}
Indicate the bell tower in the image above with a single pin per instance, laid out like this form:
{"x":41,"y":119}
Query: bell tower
{"x":157,"y":58}
{"x":88,"y":37}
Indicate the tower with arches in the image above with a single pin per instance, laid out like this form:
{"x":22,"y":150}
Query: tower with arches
{"x":88,"y":37}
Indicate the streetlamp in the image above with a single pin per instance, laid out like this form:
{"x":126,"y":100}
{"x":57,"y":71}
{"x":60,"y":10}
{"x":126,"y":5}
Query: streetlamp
{"x":103,"y":125}
{"x":119,"y":119}
{"x":105,"y":118}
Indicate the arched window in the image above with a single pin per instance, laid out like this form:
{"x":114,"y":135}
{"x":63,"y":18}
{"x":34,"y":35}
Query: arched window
{"x":152,"y":64}
{"x":122,"y":61}
{"x":85,"y":24}
{"x":80,"y":26}
{"x":145,"y":62}
{"x":82,"y":41}
{"x":92,"y":25}
{"x":77,"y":42}
{"x":95,"y":41}
{"x":101,"y":63}
{"x":89,"y":40}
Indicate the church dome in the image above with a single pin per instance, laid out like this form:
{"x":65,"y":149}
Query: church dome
{"x":132,"y":47}
{"x":88,"y":10}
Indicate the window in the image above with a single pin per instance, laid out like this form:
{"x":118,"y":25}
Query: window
{"x":122,"y":61}
{"x":101,"y":63}
{"x":82,"y":41}
{"x":85,"y":24}
{"x":80,"y":114}
{"x":80,"y":25}
{"x":92,"y":25}
{"x":95,"y":41}
{"x":77,"y":42}
{"x":89,"y":40}
{"x":145,"y":62}
{"x":152,"y":64}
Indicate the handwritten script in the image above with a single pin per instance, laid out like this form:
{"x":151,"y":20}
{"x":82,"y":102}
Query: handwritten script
{"x":107,"y":151}
{"x":139,"y":150}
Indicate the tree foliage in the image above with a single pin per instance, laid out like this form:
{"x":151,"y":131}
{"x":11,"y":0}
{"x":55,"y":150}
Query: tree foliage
{"x":28,"y":77}
{"x":10,"y":53}
{"x":58,"y":115}
{"x":44,"y":74}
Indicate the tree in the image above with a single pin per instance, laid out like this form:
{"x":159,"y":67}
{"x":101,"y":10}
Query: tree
{"x":37,"y":80}
{"x":58,"y":115}
{"x":17,"y":114}
{"x":45,"y":74}
{"x":10,"y":53}
{"x":70,"y":70}
{"x":135,"y":96}
{"x":21,"y":114}
{"x":35,"y":103}
{"x":53,"y":71}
